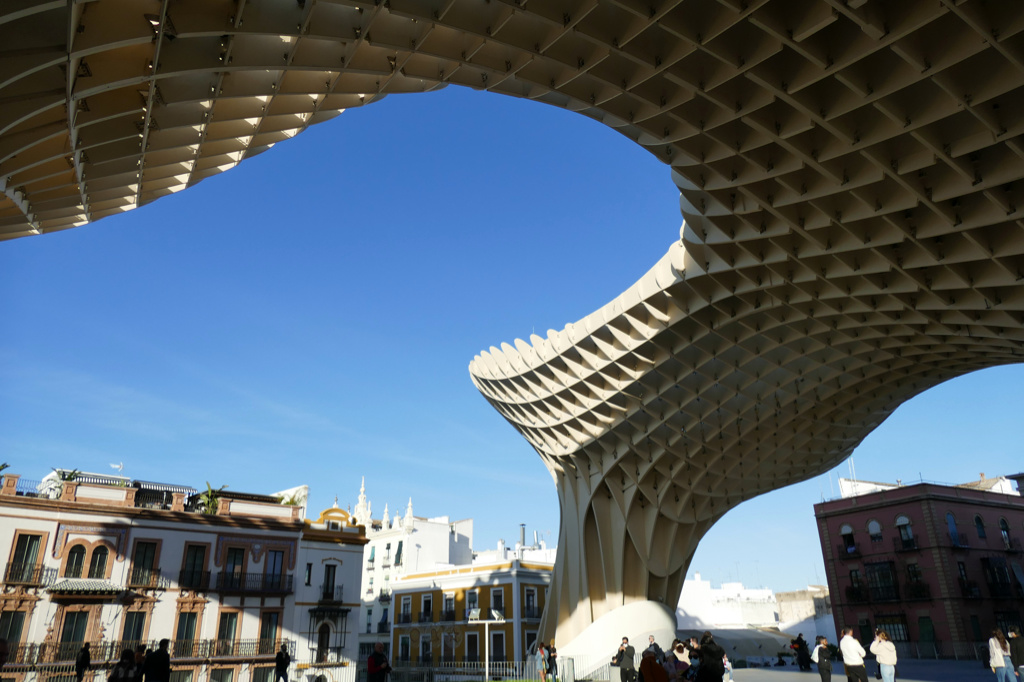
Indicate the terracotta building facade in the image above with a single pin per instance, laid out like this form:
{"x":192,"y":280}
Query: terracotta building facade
{"x":935,"y":566}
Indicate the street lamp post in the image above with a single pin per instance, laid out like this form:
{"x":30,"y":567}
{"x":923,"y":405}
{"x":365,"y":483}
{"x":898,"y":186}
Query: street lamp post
{"x":496,"y":617}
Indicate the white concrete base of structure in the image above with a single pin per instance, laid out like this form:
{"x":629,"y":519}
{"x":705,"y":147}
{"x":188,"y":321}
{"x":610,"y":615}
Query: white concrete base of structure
{"x":637,"y":621}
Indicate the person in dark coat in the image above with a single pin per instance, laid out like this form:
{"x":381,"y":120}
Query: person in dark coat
{"x":157,"y":667}
{"x":1016,"y":649}
{"x":377,"y":666}
{"x":83,"y":662}
{"x":712,"y":660}
{"x":653,"y":646}
{"x":552,"y":662}
{"x":625,"y":659}
{"x":281,"y":663}
{"x":803,"y":655}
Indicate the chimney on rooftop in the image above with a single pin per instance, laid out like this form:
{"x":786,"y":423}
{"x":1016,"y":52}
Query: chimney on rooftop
{"x":982,"y":474}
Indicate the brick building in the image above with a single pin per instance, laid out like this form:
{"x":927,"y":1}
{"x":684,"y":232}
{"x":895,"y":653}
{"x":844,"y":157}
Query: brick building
{"x":936,"y":566}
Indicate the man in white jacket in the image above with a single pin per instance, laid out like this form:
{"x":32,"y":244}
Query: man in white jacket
{"x":853,"y":657}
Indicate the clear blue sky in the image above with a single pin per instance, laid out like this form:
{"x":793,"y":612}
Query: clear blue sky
{"x":309,"y":316}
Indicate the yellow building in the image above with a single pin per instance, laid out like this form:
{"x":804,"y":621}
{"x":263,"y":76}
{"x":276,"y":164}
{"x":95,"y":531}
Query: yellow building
{"x":434,"y":612}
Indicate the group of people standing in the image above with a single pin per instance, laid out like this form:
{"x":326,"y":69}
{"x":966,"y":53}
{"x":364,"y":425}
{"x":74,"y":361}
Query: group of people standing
{"x":134,"y":666}
{"x":545,"y":661}
{"x":699,"y":661}
{"x":1006,"y":654}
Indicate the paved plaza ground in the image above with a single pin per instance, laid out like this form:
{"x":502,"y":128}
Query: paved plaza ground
{"x":909,"y":671}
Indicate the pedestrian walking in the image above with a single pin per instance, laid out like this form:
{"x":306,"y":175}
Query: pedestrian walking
{"x":82,"y":662}
{"x":999,"y":658}
{"x":552,"y":663}
{"x":712,"y":660}
{"x":377,"y":666}
{"x":157,"y":667}
{"x":1016,"y":649}
{"x":540,"y":662}
{"x":282,"y":662}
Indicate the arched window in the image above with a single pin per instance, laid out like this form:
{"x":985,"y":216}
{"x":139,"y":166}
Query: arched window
{"x":98,"y":563}
{"x":875,"y":530}
{"x":76,"y":557}
{"x":954,"y":536}
{"x":1004,"y":530}
{"x":979,"y":525}
{"x":846,"y":531}
{"x":906,"y":534}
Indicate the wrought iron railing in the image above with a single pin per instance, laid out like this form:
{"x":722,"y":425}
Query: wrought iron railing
{"x":531,"y":612}
{"x":198,"y":581}
{"x":331,"y":592}
{"x":254,"y":583}
{"x":146,"y":577}
{"x":19,"y":573}
{"x":403,"y":618}
{"x":904,"y":544}
{"x":845,"y":550}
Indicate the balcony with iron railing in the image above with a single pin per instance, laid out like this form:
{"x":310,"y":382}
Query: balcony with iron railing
{"x":1001,"y":590}
{"x":384,"y":596}
{"x":425,"y":617}
{"x":109,"y":651}
{"x":958,"y":541}
{"x":254,"y":583}
{"x":857,"y":594}
{"x":918,"y":590}
{"x":18,"y":573}
{"x":1011,"y":545}
{"x":844,"y":550}
{"x":386,"y":561}
{"x":531,"y":612}
{"x":383,"y":628}
{"x":369,"y":564}
{"x":404,"y":618}
{"x":904,"y":544}
{"x":198,"y":581}
{"x":885,"y":592}
{"x":448,"y":615}
{"x":969,"y":588}
{"x":148,"y":578}
{"x":332,"y":593}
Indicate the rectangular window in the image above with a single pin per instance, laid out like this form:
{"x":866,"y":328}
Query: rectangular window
{"x":142,"y":564}
{"x":472,"y":647}
{"x":497,"y":646}
{"x":882,"y":581}
{"x":498,"y":601}
{"x":398,"y":554}
{"x":404,"y":647}
{"x":269,"y":622}
{"x":330,"y":573}
{"x":427,"y":609}
{"x":234,"y":566}
{"x":26,"y":554}
{"x":222,"y":675}
{"x":426,"y":655}
{"x":186,"y":627}
{"x":309,"y":574}
{"x":193,"y":577}
{"x":228,"y":626}
{"x":181,"y":676}
{"x":531,"y":637}
{"x":894,"y":625}
{"x":274,"y":574}
{"x":11,"y":624}
{"x":448,"y":647}
{"x":134,"y":626}
{"x":264,"y":673}
{"x":369,"y":620}
{"x":75,"y":624}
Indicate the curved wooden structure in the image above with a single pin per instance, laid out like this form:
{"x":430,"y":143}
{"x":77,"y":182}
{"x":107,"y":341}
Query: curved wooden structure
{"x":850,"y":175}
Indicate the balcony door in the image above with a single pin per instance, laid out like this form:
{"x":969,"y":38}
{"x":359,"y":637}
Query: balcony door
{"x":195,"y":566}
{"x":275,"y":569}
{"x":226,"y":630}
{"x":26,"y":553}
{"x":330,"y":573}
{"x":234,"y":564}
{"x":269,"y":622}
{"x":72,"y":635}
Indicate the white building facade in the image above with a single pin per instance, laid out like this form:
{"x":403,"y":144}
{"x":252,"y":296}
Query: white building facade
{"x":123,"y":564}
{"x":396,"y":547}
